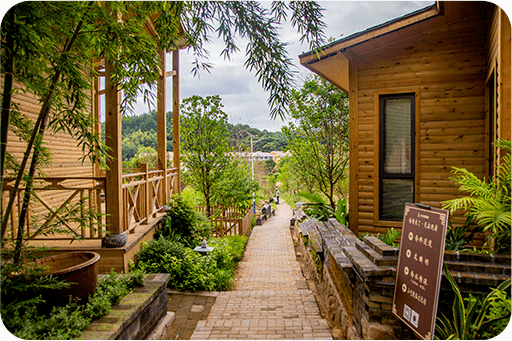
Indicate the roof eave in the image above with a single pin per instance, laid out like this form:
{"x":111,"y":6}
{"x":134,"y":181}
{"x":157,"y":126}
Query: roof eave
{"x":342,"y":44}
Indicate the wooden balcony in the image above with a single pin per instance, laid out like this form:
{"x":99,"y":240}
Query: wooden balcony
{"x":78,"y":222}
{"x":76,"y":205}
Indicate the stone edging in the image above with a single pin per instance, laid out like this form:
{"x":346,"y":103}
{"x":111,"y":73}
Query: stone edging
{"x":136,"y":315}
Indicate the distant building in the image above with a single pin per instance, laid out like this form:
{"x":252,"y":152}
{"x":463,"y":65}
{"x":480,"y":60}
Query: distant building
{"x":278,"y":155}
{"x":275,"y":155}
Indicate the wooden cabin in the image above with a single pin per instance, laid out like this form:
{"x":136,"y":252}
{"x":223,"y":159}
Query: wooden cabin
{"x":131,"y":202}
{"x":427,"y":91}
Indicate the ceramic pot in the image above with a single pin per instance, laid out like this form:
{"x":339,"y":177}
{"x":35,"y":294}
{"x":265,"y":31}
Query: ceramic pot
{"x":78,"y":268}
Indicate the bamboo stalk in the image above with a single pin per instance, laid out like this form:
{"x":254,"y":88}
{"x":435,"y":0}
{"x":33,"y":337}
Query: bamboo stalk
{"x":38,"y":130}
{"x":6,"y":102}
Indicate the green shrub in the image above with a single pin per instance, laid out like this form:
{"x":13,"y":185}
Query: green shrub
{"x":475,"y":317}
{"x":489,"y":202}
{"x":457,"y":237}
{"x":190,"y":270}
{"x":23,"y":282}
{"x":317,"y":208}
{"x":69,"y":321}
{"x":388,"y":237}
{"x":183,"y":224}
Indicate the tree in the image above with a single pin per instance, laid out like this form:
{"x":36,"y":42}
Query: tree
{"x":319,"y":139}
{"x":132,"y":142}
{"x":236,"y":186}
{"x":52,"y":48}
{"x":144,"y":155}
{"x":204,"y":141}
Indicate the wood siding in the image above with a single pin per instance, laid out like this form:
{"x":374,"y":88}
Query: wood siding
{"x":446,"y":68}
{"x":499,"y":60}
{"x":65,"y":154}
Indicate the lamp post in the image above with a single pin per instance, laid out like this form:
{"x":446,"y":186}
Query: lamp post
{"x":252,"y":167}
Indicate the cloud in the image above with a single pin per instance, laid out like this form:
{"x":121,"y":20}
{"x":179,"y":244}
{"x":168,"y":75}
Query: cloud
{"x":244,"y":100}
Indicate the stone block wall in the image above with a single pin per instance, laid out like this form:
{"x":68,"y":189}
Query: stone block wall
{"x":136,"y":315}
{"x":354,"y":284}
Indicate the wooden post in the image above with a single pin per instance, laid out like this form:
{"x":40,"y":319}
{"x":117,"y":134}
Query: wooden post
{"x":144,"y":196}
{"x":162,"y":128}
{"x":354,"y":143}
{"x":113,"y":195}
{"x":97,"y":116}
{"x":176,"y":118}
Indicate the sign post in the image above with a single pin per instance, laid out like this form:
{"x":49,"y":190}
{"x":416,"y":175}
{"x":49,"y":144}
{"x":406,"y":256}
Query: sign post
{"x":418,"y":273}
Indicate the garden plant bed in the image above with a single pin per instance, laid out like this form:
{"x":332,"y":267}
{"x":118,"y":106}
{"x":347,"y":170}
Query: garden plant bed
{"x":354,"y":282}
{"x":136,"y":315}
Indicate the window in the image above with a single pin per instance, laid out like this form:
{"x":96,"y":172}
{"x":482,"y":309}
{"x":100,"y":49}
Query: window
{"x":396,"y":155}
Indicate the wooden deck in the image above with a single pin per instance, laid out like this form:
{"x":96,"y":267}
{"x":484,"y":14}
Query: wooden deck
{"x":111,"y":258}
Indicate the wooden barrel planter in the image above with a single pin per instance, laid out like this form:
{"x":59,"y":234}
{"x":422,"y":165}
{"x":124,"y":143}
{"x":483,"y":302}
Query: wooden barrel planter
{"x":80,"y":269}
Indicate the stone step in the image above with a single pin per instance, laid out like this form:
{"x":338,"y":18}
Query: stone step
{"x":478,"y":267}
{"x":293,"y":328}
{"x":380,"y":247}
{"x":375,"y":256}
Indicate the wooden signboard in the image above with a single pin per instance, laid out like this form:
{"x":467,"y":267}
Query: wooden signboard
{"x":418,"y":273}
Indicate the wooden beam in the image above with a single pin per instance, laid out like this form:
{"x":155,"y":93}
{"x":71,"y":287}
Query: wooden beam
{"x":171,"y":73}
{"x":113,"y":195}
{"x":176,"y":118}
{"x":162,"y":127}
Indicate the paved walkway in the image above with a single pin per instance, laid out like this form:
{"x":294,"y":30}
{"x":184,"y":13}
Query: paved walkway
{"x":271,"y":299}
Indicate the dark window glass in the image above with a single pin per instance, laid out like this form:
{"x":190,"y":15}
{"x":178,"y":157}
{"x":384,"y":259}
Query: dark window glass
{"x":395,"y":193}
{"x":396,"y":155}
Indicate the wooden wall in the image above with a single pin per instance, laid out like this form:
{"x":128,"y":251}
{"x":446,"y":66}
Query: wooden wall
{"x":65,"y":160}
{"x":446,"y":68}
{"x":499,"y":60}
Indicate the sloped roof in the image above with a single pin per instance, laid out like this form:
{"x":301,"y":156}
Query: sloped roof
{"x":331,"y":60}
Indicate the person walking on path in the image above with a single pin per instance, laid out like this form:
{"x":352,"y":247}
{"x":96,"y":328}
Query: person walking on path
{"x":277,"y":195}
{"x":271,"y":299}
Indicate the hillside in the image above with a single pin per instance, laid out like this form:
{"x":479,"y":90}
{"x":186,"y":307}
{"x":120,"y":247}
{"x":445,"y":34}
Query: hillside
{"x":140,"y":131}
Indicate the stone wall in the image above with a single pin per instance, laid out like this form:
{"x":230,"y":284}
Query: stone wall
{"x":354,"y":279}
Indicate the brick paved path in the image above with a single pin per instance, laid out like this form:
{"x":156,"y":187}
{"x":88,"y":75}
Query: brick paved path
{"x":271,"y":299}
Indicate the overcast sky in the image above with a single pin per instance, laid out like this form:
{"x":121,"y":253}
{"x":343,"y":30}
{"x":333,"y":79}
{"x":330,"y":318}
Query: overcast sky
{"x":242,"y":96}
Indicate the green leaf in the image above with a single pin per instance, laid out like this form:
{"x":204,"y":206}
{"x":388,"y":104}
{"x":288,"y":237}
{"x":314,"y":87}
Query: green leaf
{"x":313,"y":198}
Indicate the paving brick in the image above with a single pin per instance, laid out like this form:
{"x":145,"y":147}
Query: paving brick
{"x":271,"y":299}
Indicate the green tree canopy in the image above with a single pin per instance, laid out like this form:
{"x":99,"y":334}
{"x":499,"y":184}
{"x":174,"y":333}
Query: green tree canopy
{"x":205,"y":148}
{"x":52,"y":48}
{"x":319,"y":136}
{"x":236,"y":186}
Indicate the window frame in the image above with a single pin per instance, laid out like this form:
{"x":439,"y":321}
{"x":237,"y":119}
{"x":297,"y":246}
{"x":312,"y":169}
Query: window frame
{"x":379,"y":142}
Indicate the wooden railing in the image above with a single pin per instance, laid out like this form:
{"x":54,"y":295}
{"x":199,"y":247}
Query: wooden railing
{"x":76,"y":204}
{"x":61,"y":208}
{"x":229,"y":221}
{"x":144,"y":194}
{"x":172,"y":182}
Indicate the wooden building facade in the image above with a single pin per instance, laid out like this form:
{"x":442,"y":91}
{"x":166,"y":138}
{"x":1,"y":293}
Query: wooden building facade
{"x":427,"y":91}
{"x":130,"y":203}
